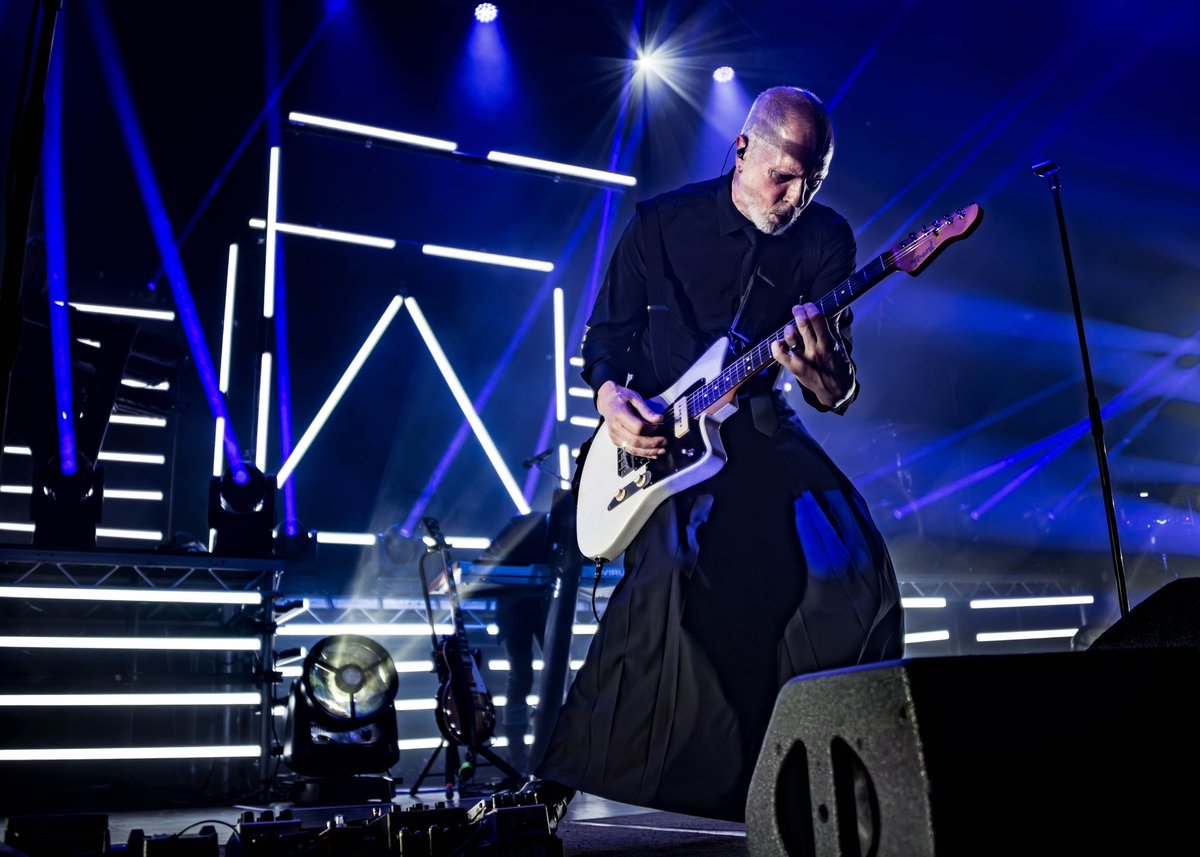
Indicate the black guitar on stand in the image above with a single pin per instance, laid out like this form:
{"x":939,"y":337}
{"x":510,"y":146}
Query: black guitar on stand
{"x":465,"y":713}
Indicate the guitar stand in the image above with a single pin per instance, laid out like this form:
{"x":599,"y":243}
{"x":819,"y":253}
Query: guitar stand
{"x":457,"y":775}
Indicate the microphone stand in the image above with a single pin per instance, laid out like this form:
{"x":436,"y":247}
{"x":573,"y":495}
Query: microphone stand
{"x":1049,"y":171}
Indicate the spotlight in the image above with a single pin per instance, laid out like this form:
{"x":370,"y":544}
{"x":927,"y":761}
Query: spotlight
{"x":241,"y":509}
{"x":485,"y":13}
{"x":724,"y":74}
{"x":341,"y":722}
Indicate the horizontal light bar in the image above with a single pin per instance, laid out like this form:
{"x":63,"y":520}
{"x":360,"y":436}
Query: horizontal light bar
{"x":922,"y":603}
{"x":487,"y":258}
{"x":130,"y":420}
{"x":464,"y":542}
{"x":364,"y":629}
{"x":580,"y":392}
{"x":307,"y":119}
{"x":560,"y":169}
{"x":501,"y":700}
{"x":1004,"y":636}
{"x":90,"y":343}
{"x":416,"y":704}
{"x":16,"y":489}
{"x":83,"y":754}
{"x":137,"y":535}
{"x":59,"y":700}
{"x":501,"y":665}
{"x":190,"y":644}
{"x":126,"y":311}
{"x":133,"y":457}
{"x":328,"y":538}
{"x":585,"y":422}
{"x":16,"y":528}
{"x":576,"y":361}
{"x":1038,"y":601}
{"x":127,"y":494}
{"x":926,"y":637}
{"x":142,"y":385}
{"x":583,"y":629}
{"x":327,"y":234}
{"x":419,"y":743}
{"x":171,"y":596}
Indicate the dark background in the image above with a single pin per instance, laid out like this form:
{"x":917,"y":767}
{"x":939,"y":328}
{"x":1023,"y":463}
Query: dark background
{"x":936,"y":105}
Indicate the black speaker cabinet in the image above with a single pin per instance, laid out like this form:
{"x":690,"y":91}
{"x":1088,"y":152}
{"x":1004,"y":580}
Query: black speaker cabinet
{"x":1091,"y":752}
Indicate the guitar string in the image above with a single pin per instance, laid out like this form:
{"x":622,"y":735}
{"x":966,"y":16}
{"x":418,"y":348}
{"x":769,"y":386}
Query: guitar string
{"x":727,"y":374}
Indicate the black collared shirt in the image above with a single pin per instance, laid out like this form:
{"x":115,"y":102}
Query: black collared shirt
{"x":704,"y":243}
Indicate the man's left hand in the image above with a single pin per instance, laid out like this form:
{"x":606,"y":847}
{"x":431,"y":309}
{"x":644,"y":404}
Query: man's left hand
{"x":811,"y":352}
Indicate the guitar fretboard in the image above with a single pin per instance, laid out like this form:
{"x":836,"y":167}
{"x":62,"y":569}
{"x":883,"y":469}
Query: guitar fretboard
{"x":752,"y":361}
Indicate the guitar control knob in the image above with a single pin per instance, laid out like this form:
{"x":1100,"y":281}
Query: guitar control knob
{"x":620,"y":495}
{"x":642,"y":479}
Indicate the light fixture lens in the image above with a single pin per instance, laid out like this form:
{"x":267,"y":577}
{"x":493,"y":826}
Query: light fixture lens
{"x":724,"y":74}
{"x":485,"y":13}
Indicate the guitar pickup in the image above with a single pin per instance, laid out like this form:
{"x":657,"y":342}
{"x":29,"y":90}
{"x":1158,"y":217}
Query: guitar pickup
{"x":679,"y":417}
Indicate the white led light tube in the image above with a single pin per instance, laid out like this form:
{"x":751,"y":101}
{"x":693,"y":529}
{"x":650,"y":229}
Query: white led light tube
{"x":190,"y":644}
{"x":487,"y":258}
{"x":561,"y":169}
{"x":82,"y":754}
{"x":926,"y":637}
{"x":560,"y":357}
{"x":126,"y":311}
{"x":363,"y":629}
{"x":922,"y":603}
{"x":468,"y":409}
{"x":130,"y":420}
{"x":57,"y":700}
{"x":327,"y":234}
{"x":160,"y":596}
{"x":1034,"y":601}
{"x":1004,"y":636}
{"x":338,"y":391}
{"x":376,"y":133}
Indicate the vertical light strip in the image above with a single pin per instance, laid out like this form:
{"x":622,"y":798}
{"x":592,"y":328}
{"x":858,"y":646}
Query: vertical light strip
{"x":272,"y":220}
{"x":564,"y":464}
{"x":264,"y":412}
{"x":464,"y":403}
{"x":264,"y":378}
{"x":560,"y":356}
{"x":227,"y":323}
{"x":219,"y":448}
{"x":339,"y":389}
{"x":226,"y":352}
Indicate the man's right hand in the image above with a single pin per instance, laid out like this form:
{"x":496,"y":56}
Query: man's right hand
{"x":632,"y":424}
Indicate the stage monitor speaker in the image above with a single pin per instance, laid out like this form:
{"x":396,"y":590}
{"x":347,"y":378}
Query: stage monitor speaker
{"x":1167,"y":617}
{"x":1071,"y":753}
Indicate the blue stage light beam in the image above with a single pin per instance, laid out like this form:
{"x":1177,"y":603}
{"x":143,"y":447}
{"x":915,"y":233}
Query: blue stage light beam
{"x":160,"y":226}
{"x":485,"y":74}
{"x":864,"y":61}
{"x":56,"y":263}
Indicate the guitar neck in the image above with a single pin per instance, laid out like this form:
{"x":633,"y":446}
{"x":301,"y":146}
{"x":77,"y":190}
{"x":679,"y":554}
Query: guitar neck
{"x":460,"y":630}
{"x":753,"y":360}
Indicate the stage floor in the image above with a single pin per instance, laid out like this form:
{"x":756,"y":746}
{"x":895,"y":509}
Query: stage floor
{"x":594,"y":827}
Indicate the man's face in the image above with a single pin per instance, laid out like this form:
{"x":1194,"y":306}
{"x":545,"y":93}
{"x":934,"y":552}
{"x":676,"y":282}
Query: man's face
{"x":773,"y":183}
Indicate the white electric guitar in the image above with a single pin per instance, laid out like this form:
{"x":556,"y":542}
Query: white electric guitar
{"x":618,"y":491}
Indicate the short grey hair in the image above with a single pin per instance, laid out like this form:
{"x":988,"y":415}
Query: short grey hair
{"x":776,"y":107}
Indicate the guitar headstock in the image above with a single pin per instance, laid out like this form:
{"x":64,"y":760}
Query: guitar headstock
{"x":918,"y":249}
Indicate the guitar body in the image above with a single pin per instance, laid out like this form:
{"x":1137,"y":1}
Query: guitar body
{"x":618,"y":492}
{"x":463,"y":701}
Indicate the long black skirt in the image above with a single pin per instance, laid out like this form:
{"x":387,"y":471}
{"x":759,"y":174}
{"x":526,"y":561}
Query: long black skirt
{"x":771,"y":569}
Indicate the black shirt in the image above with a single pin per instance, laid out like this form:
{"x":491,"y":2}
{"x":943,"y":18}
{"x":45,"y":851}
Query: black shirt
{"x":705,"y":240}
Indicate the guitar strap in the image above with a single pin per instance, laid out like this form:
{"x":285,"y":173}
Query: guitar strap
{"x":656,"y":294}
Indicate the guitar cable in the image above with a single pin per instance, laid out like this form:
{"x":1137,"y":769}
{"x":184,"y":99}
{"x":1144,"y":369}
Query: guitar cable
{"x":596,"y":586}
